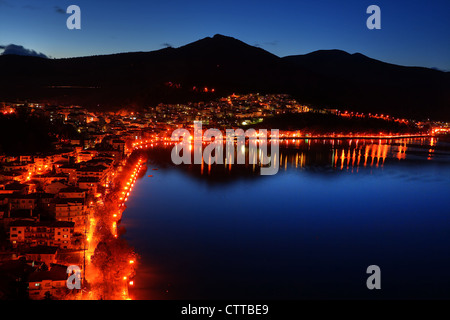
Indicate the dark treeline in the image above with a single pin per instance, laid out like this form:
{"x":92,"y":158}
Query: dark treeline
{"x":27,"y":133}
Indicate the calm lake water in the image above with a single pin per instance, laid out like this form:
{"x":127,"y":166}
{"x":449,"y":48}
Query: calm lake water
{"x":308,"y":232}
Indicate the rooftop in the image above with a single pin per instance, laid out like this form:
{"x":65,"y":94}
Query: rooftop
{"x":54,"y":274}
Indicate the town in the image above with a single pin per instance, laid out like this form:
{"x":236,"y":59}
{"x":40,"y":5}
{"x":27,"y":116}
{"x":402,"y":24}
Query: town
{"x":62,"y":206}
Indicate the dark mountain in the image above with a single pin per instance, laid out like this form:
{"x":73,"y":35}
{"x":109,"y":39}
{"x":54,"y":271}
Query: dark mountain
{"x":333,"y":79}
{"x":369,"y":85}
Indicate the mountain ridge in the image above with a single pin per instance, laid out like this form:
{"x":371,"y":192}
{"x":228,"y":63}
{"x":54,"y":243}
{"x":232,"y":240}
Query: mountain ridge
{"x":324,"y":78}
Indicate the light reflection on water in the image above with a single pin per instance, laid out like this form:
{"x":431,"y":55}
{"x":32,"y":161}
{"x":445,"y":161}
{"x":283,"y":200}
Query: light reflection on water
{"x":335,"y":207}
{"x":341,"y":154}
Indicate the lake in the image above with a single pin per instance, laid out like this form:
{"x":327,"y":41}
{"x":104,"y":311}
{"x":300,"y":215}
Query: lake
{"x":309,"y":232}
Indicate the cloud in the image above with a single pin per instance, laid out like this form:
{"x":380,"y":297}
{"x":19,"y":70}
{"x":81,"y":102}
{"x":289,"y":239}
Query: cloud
{"x":271,"y":43}
{"x":59,"y":10}
{"x":264,"y":44}
{"x":21,"y":51}
{"x":166,"y":45}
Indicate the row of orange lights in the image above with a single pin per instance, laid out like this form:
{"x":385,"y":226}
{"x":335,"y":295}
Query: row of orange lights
{"x":130,"y":183}
{"x":126,"y":192}
{"x":131,"y":282}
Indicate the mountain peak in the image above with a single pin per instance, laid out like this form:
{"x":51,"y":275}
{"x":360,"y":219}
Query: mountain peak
{"x":221,"y":45}
{"x":332,"y":51}
{"x":221,"y":36}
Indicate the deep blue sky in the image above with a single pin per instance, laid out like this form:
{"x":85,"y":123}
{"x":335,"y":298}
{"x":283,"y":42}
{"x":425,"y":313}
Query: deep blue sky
{"x":413,"y":32}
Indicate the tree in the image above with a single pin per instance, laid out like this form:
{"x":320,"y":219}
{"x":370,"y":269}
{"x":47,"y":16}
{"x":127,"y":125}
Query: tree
{"x":112,"y":257}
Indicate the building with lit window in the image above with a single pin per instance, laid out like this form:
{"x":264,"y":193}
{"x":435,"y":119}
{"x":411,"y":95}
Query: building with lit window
{"x":48,"y":233}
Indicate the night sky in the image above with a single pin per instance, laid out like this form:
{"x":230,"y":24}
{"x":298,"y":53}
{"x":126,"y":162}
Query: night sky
{"x":413,"y":33}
